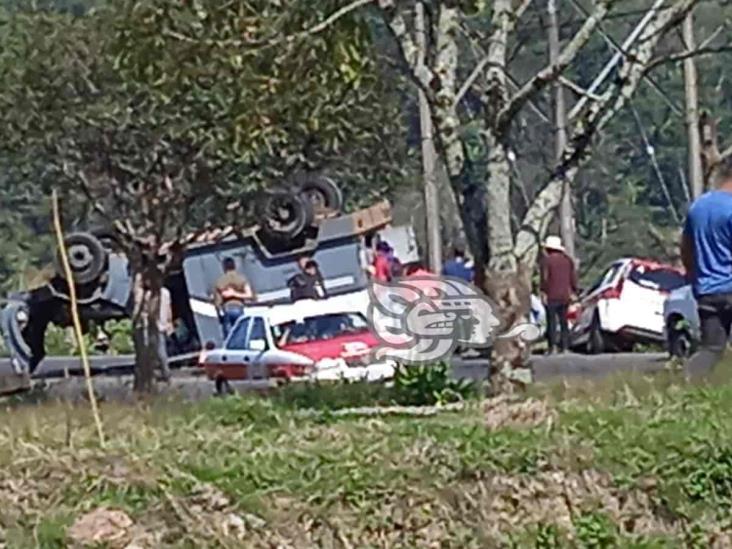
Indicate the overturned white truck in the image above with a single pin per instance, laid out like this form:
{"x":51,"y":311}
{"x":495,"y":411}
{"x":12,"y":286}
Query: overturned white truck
{"x":305,"y":221}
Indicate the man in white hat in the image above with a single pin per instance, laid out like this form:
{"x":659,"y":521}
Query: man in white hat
{"x":558,"y":289}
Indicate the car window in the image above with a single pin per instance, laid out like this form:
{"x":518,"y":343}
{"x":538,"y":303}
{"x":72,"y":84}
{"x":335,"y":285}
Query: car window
{"x":238,"y":338}
{"x":257,"y":333}
{"x":605,"y":278}
{"x":660,"y":278}
{"x":320,"y":328}
{"x":611,"y":274}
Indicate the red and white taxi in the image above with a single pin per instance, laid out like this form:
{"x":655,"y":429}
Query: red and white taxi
{"x":624,"y":306}
{"x":305,"y":340}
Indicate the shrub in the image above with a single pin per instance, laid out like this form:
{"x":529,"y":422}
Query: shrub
{"x":429,"y":384}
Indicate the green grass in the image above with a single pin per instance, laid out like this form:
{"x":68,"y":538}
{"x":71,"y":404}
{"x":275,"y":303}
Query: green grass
{"x":641,"y":464}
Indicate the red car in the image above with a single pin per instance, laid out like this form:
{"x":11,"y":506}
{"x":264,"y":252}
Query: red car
{"x":307,"y":340}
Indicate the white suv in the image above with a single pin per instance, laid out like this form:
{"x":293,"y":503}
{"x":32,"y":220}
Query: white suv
{"x":624,"y":306}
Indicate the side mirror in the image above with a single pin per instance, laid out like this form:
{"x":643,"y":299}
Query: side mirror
{"x":258,"y":345}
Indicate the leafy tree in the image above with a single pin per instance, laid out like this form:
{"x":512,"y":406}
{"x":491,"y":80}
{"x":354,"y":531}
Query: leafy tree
{"x":160,"y":115}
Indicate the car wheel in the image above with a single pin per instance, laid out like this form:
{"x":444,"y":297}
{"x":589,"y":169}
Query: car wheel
{"x":596,"y":342}
{"x":322,"y":192}
{"x":87,"y":258}
{"x":680,"y":344}
{"x":285,"y":215}
{"x":223,"y":387}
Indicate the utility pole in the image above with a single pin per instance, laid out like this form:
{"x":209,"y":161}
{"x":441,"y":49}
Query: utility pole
{"x":566,"y":212}
{"x":691,"y":93}
{"x":429,"y":156}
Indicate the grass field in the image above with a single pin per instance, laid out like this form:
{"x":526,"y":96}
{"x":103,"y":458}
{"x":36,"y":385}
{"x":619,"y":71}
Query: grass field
{"x":639,"y":465}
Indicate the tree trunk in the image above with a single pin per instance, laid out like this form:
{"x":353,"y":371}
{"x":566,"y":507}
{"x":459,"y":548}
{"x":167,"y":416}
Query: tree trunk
{"x":510,"y":292}
{"x":146,"y":334}
{"x":507,"y":282}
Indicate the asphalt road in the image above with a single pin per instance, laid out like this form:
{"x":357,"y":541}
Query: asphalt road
{"x":187,"y":383}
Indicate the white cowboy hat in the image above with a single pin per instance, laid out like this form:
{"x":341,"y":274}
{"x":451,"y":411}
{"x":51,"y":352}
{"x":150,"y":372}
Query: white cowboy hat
{"x":554,"y":243}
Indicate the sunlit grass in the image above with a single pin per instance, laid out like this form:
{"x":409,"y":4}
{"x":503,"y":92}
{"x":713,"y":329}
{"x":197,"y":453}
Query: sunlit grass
{"x":373,"y":481}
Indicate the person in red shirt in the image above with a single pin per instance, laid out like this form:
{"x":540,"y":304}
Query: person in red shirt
{"x":558,"y":289}
{"x":382,"y":262}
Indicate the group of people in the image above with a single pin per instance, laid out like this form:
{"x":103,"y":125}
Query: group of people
{"x":385,"y":266}
{"x":232,"y":291}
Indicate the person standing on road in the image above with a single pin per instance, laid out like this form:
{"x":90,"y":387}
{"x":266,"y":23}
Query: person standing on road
{"x":706,"y":252}
{"x":558,"y":288}
{"x":457,"y":266}
{"x":231,"y":293}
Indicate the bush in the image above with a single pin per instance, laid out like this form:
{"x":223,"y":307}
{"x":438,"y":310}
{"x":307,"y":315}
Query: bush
{"x":62,"y":342}
{"x":428,"y":385}
{"x":120,"y":336}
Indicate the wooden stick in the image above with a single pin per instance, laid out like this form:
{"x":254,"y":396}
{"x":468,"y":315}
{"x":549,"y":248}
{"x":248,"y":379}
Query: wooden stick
{"x":75,"y":316}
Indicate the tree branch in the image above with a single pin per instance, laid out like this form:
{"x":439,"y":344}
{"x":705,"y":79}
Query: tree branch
{"x":578,"y":89}
{"x":698,"y":52}
{"x":630,"y":75}
{"x":551,"y":72}
{"x":398,"y":27}
{"x":271,"y":42}
{"x":470,"y":80}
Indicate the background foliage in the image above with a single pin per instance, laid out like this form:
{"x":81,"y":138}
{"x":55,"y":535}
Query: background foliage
{"x":263,"y":108}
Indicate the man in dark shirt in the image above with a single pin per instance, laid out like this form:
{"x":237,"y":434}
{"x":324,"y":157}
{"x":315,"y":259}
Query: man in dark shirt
{"x":706,"y":251}
{"x":558,"y":288}
{"x":457,"y":267}
{"x":308,"y":283}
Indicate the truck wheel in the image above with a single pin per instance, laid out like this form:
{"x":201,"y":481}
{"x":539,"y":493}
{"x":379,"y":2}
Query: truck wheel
{"x":285,"y":215}
{"x":596,"y":342}
{"x":108,"y":238}
{"x":679,"y":344}
{"x":321,"y":192}
{"x":87,"y":258}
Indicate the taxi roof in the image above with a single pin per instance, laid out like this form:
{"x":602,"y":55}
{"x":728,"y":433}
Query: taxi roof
{"x":356,"y":302}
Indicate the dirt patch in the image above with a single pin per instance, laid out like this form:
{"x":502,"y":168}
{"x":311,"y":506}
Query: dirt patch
{"x":507,"y":411}
{"x":109,"y":527}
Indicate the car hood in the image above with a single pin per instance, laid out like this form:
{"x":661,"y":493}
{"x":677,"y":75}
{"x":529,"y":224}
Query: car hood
{"x":346,"y":346}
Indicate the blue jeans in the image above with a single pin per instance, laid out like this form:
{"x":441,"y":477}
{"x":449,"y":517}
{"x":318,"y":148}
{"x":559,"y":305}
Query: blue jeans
{"x":229,"y":316}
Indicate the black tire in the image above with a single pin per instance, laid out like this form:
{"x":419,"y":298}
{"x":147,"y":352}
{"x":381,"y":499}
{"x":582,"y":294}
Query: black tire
{"x":285,"y":215}
{"x":322,"y":192}
{"x":109,"y":239}
{"x":87,"y":258}
{"x":223,"y":387}
{"x":596,"y":343}
{"x":680,"y":344}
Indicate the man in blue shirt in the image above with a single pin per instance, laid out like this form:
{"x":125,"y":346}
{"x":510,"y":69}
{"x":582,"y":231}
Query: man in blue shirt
{"x":706,"y":251}
{"x":456,"y":266}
